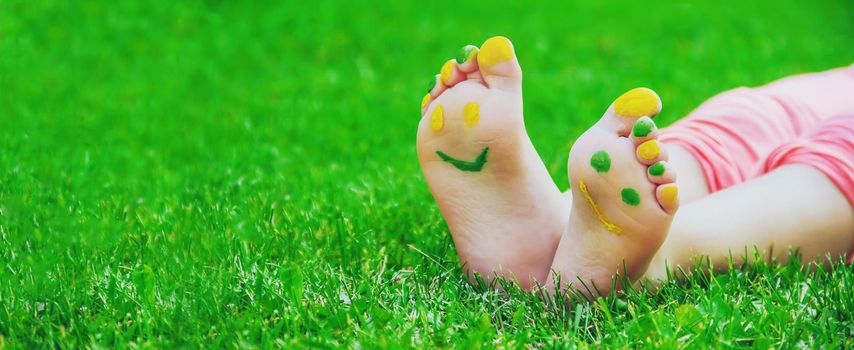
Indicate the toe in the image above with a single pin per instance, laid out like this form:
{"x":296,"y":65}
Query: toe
{"x":436,"y":87}
{"x":498,"y":64}
{"x":628,"y":109}
{"x":425,"y":101}
{"x":668,"y":197}
{"x":467,"y":59}
{"x":650,"y":152}
{"x":638,"y":102}
{"x":661,"y":173}
{"x":643,"y":130}
{"x":450,"y":74}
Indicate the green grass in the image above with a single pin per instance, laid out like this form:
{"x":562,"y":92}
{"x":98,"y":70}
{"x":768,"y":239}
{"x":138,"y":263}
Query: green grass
{"x":214,"y":174}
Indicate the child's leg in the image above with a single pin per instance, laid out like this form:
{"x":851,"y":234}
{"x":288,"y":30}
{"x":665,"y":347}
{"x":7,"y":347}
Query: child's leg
{"x":829,"y":148}
{"x":804,"y":200}
{"x":796,"y":206}
{"x":731,"y":133}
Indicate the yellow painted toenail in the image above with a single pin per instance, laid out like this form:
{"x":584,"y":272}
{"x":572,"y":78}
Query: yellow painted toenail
{"x":437,"y":118}
{"x":604,"y":220}
{"x":669,"y":195}
{"x":471,"y":114}
{"x":495,"y":50}
{"x":637,"y":102}
{"x":446,"y":71}
{"x":649,"y":150}
{"x":425,"y":101}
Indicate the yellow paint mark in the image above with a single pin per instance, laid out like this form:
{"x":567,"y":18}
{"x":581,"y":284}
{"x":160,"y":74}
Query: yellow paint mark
{"x":495,"y":50}
{"x":446,"y":71}
{"x":669,"y":195}
{"x":604,"y":220}
{"x":638,"y":102}
{"x":425,"y":101}
{"x":472,"y":54}
{"x":437,"y":118}
{"x":649,"y":150}
{"x":471,"y":114}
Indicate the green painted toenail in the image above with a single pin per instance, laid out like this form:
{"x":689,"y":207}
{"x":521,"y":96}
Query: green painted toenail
{"x":601,"y":161}
{"x":657,"y":169}
{"x":432,"y":84}
{"x":630,"y":196}
{"x":643,"y":127}
{"x":465,"y":53}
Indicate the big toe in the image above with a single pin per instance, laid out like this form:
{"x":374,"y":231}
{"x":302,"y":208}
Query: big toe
{"x":622,"y":115}
{"x":498,"y":64}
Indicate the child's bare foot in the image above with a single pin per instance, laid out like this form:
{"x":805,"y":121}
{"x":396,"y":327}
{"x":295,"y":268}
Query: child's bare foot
{"x":625,"y":197}
{"x":504,"y":212}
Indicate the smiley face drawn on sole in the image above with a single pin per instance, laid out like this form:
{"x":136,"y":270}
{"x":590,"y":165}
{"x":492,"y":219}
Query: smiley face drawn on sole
{"x":473,"y":166}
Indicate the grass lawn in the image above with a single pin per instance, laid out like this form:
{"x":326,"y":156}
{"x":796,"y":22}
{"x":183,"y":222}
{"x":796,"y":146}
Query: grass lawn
{"x":220,"y":174}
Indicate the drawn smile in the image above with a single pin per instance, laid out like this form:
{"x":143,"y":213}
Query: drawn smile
{"x":463,"y":165}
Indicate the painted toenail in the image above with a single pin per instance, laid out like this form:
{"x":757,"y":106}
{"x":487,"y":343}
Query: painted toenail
{"x":657,"y":169}
{"x":599,"y":214}
{"x":432,"y":84}
{"x":643,"y":127}
{"x":425,"y":101}
{"x":669,"y":195}
{"x":437,"y":118}
{"x":630,"y":196}
{"x":601,"y":161}
{"x":471,"y":114}
{"x":466,"y":54}
{"x":649,"y":150}
{"x":446,"y":71}
{"x":495,"y":50}
{"x":637,"y":102}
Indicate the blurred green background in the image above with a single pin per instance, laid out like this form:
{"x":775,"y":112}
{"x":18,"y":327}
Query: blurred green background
{"x":216,"y":173}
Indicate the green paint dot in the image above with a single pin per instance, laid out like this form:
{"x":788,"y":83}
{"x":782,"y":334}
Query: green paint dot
{"x":463,"y":54}
{"x":656,"y":169}
{"x":601,"y":161}
{"x":630,"y":196}
{"x":643,"y":127}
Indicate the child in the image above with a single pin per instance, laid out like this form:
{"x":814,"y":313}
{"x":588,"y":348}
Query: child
{"x":770,"y":167}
